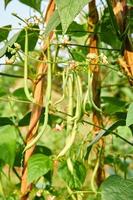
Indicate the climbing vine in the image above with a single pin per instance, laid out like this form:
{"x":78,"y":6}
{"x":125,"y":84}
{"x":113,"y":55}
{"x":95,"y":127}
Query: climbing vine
{"x":66,"y":101}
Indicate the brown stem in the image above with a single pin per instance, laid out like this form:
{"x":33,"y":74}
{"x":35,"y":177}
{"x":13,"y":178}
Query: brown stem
{"x":96,"y":85}
{"x":33,"y":127}
{"x":36,"y":110}
{"x":119,"y":8}
{"x":121,"y":11}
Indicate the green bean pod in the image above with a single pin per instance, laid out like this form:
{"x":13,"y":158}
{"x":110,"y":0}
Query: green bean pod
{"x":90,"y":98}
{"x":26,"y":90}
{"x":48,"y":101}
{"x":70,"y":139}
{"x":70,"y":103}
{"x":64,"y":79}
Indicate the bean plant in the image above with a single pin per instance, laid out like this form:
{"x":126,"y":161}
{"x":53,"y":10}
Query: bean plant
{"x":66,"y":101}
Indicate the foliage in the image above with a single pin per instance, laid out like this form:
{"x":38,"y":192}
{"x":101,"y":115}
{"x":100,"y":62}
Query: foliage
{"x":38,"y":165}
{"x":116,"y":187}
{"x":67,"y":154}
{"x":129,"y":119}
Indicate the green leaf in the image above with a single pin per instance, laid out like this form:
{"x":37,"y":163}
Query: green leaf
{"x":113,"y":105}
{"x":5,"y":121}
{"x":3,"y":92}
{"x":77,"y":30}
{"x":19,"y":37}
{"x":109,"y":159}
{"x":9,"y":43}
{"x":121,"y":115}
{"x":36,"y":4}
{"x":4,"y":31}
{"x":7,"y":2}
{"x":113,"y":18}
{"x":13,"y":39}
{"x":7,"y":144}
{"x":20,"y":94}
{"x":106,"y":29}
{"x":68,"y":10}
{"x":78,"y":53}
{"x":25,"y":120}
{"x":43,"y":150}
{"x":52,"y":120}
{"x":53,"y":22}
{"x":106,"y":132}
{"x":38,"y":165}
{"x":32,"y":38}
{"x":117,"y":188}
{"x":129,"y":119}
{"x":39,"y":198}
{"x":19,"y":155}
{"x":75,"y":180}
{"x":130,"y":3}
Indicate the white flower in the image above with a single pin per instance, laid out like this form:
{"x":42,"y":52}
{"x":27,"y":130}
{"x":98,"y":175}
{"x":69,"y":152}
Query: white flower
{"x":58,"y":127}
{"x":72,"y":64}
{"x":104,"y":59}
{"x":91,"y":56}
{"x":50,"y":197}
{"x":65,"y":39}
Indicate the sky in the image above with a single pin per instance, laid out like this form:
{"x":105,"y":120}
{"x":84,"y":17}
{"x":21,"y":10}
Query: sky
{"x":14,"y":7}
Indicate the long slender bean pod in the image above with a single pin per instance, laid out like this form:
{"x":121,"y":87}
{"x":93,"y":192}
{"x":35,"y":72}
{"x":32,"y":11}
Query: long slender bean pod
{"x":70,"y":103}
{"x":26,"y":90}
{"x":85,"y":101}
{"x":70,"y":165}
{"x":70,"y":139}
{"x":90,"y":94}
{"x":55,"y":59}
{"x":65,"y":79}
{"x":80,"y":94}
{"x":93,"y":177}
{"x":48,"y":98}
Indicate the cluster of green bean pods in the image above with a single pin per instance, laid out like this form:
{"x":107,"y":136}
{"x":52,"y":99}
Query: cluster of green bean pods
{"x":72,"y":92}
